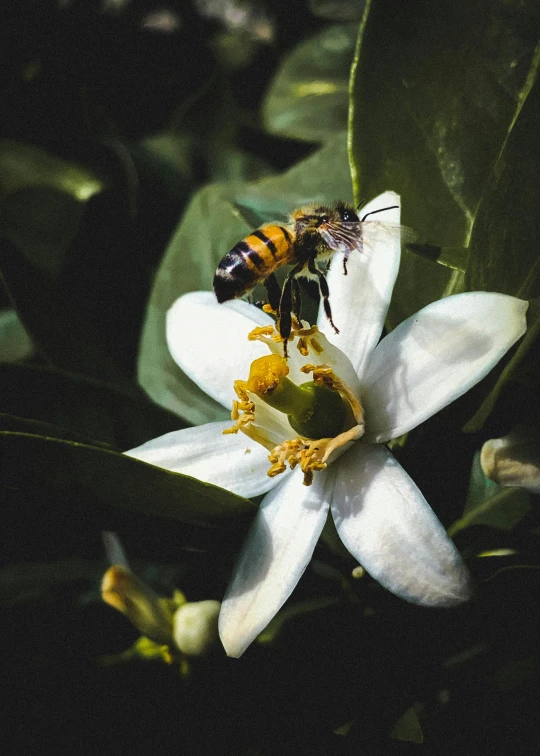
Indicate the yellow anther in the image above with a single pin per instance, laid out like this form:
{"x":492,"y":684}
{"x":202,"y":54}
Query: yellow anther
{"x":302,"y":346}
{"x":245,"y":405}
{"x":256,"y":333}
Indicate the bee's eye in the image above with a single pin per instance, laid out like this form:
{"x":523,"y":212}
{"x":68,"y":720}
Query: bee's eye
{"x":349,"y":216}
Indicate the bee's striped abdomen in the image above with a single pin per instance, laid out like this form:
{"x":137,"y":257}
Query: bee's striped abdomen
{"x":251,"y":261}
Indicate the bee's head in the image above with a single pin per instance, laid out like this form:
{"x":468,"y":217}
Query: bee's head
{"x":312,"y":217}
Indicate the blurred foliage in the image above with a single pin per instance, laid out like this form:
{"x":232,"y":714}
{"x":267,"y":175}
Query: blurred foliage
{"x":308,"y":98}
{"x":138,"y":143}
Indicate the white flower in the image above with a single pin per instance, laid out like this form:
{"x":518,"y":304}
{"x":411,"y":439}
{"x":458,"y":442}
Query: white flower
{"x":381,"y":516}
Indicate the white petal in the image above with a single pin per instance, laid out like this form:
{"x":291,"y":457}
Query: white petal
{"x":271,"y":425}
{"x":230,"y":461}
{"x":208,"y":341}
{"x":276,"y":552}
{"x":385,"y":522}
{"x":360,"y":299}
{"x":435,"y":356}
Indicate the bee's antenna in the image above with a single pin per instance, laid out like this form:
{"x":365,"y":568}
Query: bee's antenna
{"x":382,"y":209}
{"x":361,"y":205}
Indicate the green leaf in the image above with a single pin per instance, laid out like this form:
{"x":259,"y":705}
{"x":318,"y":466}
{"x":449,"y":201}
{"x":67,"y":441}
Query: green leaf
{"x":450,"y":257}
{"x":64,"y":487}
{"x":337,"y":10}
{"x":23,"y":165}
{"x":504,"y":245}
{"x":81,"y":408}
{"x":491,"y":504}
{"x":42,"y":204}
{"x":308,"y":98}
{"x":503,"y":250}
{"x":70,"y":261}
{"x":16,"y":424}
{"x":408,"y":728}
{"x":42,"y":208}
{"x":433,"y":97}
{"x":217,"y":218}
{"x":58,"y":327}
{"x":15,"y":343}
{"x":272,"y":631}
{"x":31,"y":581}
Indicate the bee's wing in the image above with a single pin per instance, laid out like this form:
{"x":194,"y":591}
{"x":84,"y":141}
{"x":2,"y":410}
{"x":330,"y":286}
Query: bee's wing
{"x":379,"y":231}
{"x":347,"y":237}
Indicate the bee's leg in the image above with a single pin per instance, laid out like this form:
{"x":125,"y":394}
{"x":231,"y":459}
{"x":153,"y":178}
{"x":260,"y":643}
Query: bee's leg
{"x":325,"y":292}
{"x":273,"y":291}
{"x":296,"y":300}
{"x":345,"y":258}
{"x":286,"y":306}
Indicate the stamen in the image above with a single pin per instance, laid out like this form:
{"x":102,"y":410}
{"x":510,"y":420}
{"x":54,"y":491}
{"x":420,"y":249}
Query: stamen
{"x":245,"y":405}
{"x":324,"y":412}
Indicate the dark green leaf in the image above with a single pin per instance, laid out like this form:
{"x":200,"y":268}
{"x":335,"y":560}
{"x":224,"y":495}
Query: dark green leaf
{"x":66,"y":490}
{"x":41,"y":211}
{"x":42,"y":203}
{"x":58,"y":327}
{"x":15,"y":343}
{"x":16,"y":424}
{"x":451,"y":257}
{"x":408,"y":728}
{"x":81,"y":407}
{"x":70,"y":260}
{"x":308,"y":98}
{"x":504,"y":245}
{"x":506,"y":236}
{"x":434,"y":95}
{"x":337,"y":10}
{"x":30,"y":581}
{"x":23,"y":165}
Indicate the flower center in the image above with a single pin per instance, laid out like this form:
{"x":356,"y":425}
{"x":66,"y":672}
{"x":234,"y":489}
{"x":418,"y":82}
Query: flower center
{"x":324,"y":412}
{"x":313,"y":409}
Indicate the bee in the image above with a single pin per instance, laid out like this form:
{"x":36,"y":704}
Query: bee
{"x":314,"y":234}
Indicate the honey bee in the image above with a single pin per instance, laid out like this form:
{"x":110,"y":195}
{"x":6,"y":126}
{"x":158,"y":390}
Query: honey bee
{"x":314,"y":234}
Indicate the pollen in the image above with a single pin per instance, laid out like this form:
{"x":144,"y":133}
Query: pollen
{"x":266,"y":373}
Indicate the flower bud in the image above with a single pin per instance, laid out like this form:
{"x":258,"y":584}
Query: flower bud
{"x":195,"y":627}
{"x":514,"y":460}
{"x":126,"y":592}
